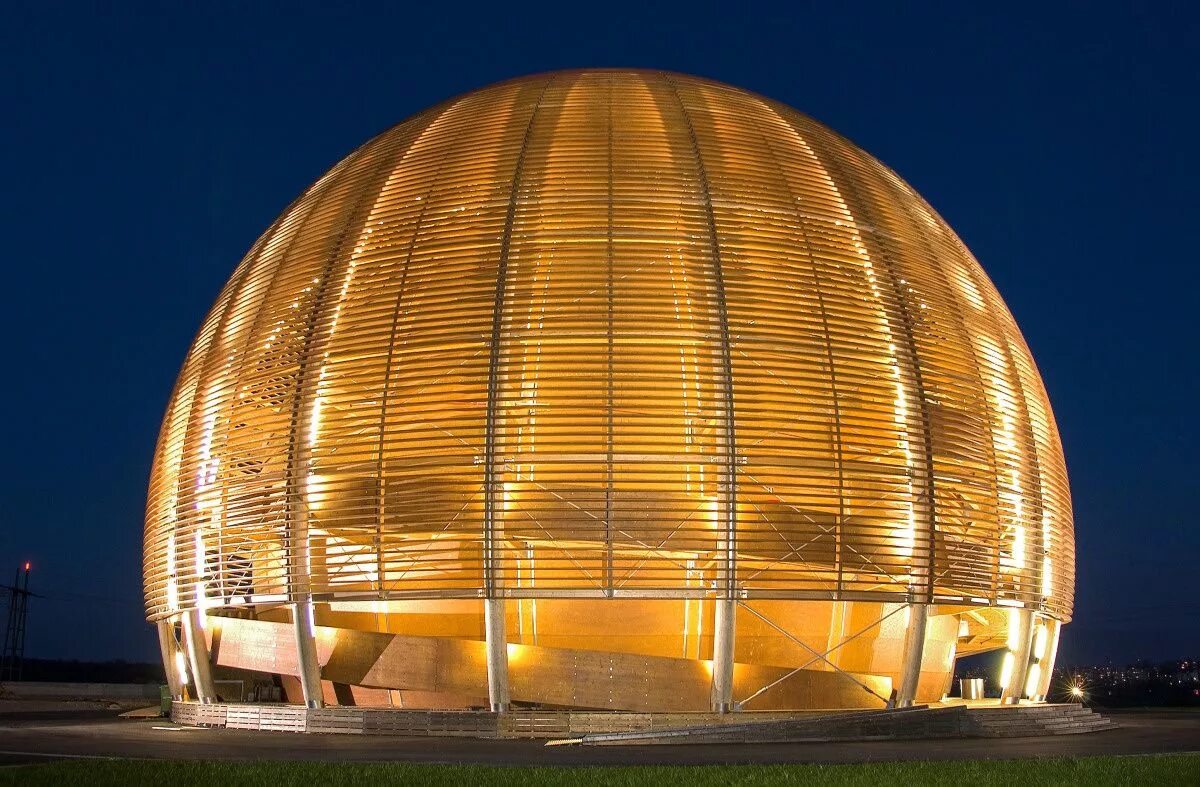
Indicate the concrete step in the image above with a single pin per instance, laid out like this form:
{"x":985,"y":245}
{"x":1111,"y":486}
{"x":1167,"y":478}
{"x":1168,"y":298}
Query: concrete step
{"x":861,"y":725}
{"x":897,"y":724}
{"x":1082,"y":724}
{"x":1037,"y":720}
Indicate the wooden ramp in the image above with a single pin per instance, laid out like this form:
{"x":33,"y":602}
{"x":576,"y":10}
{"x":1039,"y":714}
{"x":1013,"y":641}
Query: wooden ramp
{"x":546,"y":676}
{"x":918,"y":722}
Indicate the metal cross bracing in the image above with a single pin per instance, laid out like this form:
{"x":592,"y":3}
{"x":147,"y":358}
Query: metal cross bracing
{"x":816,"y":655}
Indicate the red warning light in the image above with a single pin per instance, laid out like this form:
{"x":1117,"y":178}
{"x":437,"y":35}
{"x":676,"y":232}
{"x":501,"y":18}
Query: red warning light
{"x":26,"y":565}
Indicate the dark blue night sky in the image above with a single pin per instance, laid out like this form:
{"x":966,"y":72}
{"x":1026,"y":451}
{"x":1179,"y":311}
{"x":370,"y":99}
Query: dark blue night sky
{"x":145,"y":146}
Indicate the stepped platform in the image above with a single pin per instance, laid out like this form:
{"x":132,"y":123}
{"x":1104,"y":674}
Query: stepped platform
{"x":919,"y":722}
{"x":604,"y":728}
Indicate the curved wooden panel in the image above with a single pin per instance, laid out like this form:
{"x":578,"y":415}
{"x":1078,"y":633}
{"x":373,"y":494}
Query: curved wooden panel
{"x":609,"y":333}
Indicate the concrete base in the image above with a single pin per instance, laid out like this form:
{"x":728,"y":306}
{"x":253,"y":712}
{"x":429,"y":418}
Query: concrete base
{"x":647,"y":728}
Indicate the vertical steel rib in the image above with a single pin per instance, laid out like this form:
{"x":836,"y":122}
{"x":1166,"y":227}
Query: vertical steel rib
{"x":994,"y":313}
{"x":965,"y":339}
{"x":1014,"y":377}
{"x":318,"y":191}
{"x":921,"y":590}
{"x":299,"y":578}
{"x":608,"y":399}
{"x":294,"y":470}
{"x":381,"y":492}
{"x":908,"y":411}
{"x":802,"y":225}
{"x":493,"y":382}
{"x":184,"y":479}
{"x":728,"y":503}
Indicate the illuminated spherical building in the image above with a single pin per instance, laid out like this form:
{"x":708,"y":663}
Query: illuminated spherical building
{"x":609,"y":389}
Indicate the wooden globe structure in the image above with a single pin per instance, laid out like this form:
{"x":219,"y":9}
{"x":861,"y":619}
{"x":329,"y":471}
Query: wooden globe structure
{"x":609,"y":389}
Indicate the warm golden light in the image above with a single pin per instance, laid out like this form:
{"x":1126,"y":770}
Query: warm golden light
{"x":181,"y":666}
{"x":611,"y":334}
{"x":1006,"y":670}
{"x":1041,"y":641}
{"x":1013,"y":636}
{"x":1032,"y":680}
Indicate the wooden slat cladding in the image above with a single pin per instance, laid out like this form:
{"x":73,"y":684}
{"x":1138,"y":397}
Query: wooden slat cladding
{"x":594,"y":333}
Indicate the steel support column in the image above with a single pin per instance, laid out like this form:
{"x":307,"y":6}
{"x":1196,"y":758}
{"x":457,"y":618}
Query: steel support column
{"x":1020,"y":643}
{"x":169,"y":648}
{"x":497,"y":654}
{"x":306,"y":401}
{"x":722,"y":662}
{"x":1046,"y":660}
{"x":914,"y":649}
{"x":307,"y":663}
{"x":726,"y":513}
{"x":197,"y":650}
{"x":494,"y":498}
{"x":907,"y":320}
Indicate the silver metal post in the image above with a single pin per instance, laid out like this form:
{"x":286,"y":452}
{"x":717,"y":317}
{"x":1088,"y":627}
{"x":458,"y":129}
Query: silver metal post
{"x":168,"y":647}
{"x":197,"y":649}
{"x":494,"y":496}
{"x":722,"y":663}
{"x":299,"y":579}
{"x":497,"y":654}
{"x":306,"y":653}
{"x":914,"y":648}
{"x":726,"y":439}
{"x":1054,"y":628}
{"x":1020,"y":652}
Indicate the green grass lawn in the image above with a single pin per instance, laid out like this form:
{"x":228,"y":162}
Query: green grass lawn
{"x":1142,"y":771}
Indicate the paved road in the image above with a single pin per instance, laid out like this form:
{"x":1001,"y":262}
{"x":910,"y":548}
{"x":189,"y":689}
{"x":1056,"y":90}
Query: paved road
{"x":43,"y":737}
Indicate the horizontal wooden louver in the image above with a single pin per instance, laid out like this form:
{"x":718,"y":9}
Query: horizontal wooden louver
{"x":592,"y":334}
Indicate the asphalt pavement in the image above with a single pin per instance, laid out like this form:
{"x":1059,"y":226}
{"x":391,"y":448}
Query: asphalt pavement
{"x":38,"y":736}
